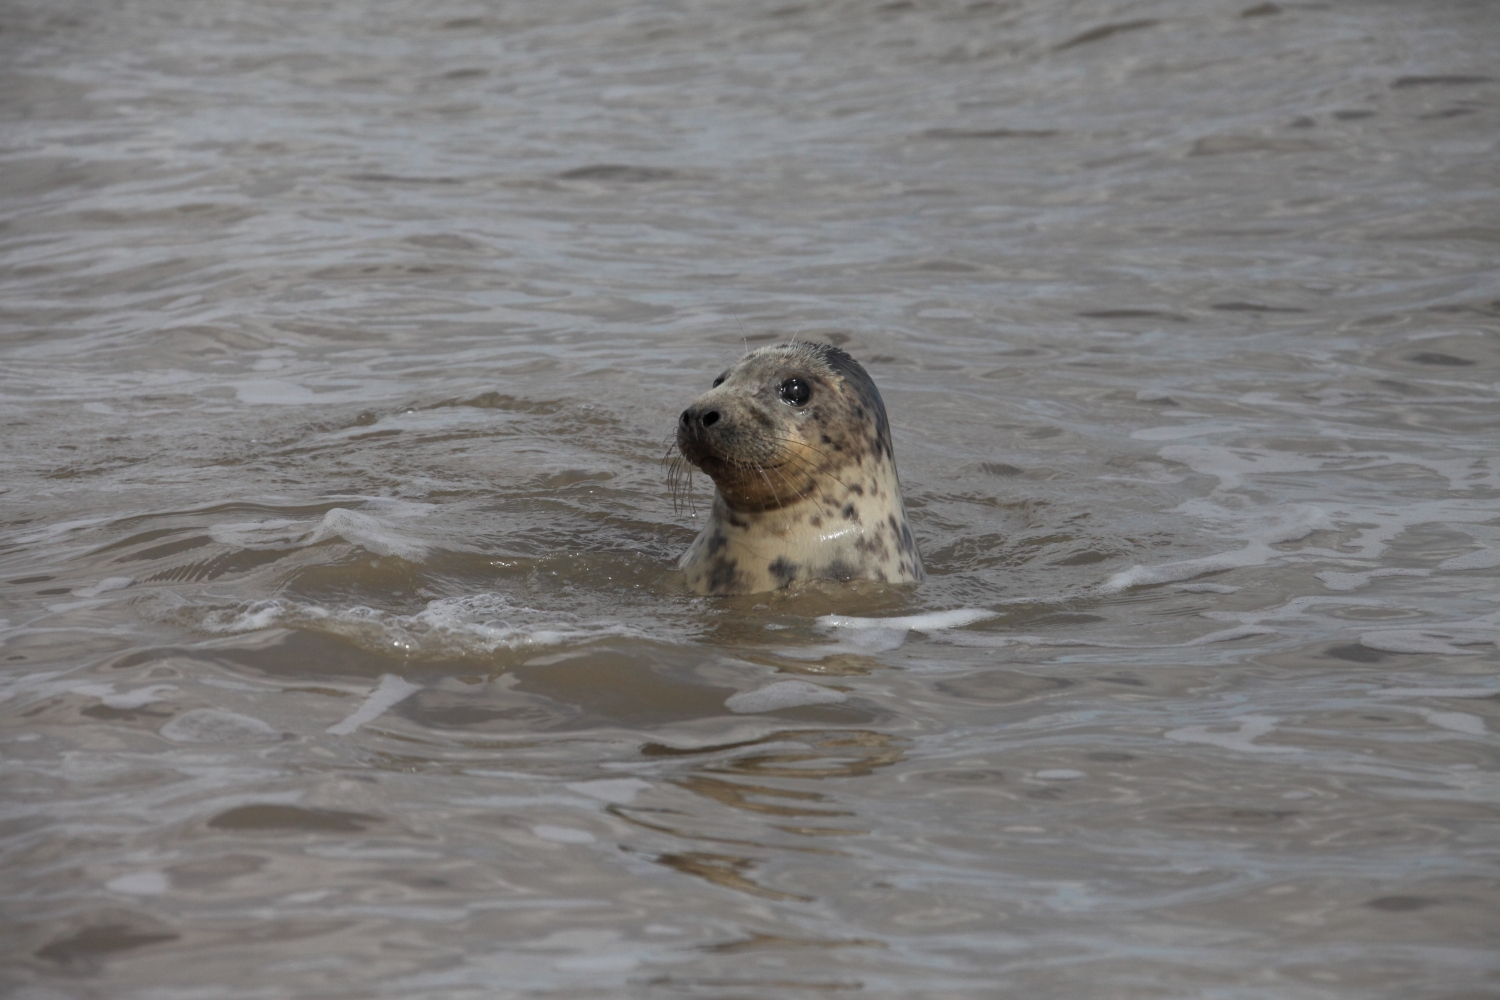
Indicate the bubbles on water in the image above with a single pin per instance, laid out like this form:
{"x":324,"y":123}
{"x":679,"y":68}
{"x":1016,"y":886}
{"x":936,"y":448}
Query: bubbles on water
{"x":451,"y":626}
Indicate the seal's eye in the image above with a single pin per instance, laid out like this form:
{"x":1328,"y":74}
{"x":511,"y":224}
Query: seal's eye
{"x":718,"y":381}
{"x":795,"y":391}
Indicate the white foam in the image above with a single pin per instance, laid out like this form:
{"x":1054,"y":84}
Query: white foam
{"x":1378,"y":526}
{"x":1334,"y":580}
{"x":1186,"y":569}
{"x":51,"y":531}
{"x":1232,"y":465}
{"x":272,"y":533}
{"x":104,"y":586}
{"x":366,"y":532}
{"x":1287,"y":523}
{"x":1251,"y":727}
{"x":475,"y":623}
{"x":880,"y":635}
{"x":439,"y":418}
{"x":782,"y":694}
{"x":374,"y":534}
{"x":1370,"y":527}
{"x":261,"y":616}
{"x":1478,"y":559}
{"x":391,"y":691}
{"x":212,"y":725}
{"x":934,"y":621}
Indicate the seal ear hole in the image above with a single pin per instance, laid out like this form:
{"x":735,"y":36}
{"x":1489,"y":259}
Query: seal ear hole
{"x":795,"y":391}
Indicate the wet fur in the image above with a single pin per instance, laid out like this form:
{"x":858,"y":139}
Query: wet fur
{"x":803,"y":493}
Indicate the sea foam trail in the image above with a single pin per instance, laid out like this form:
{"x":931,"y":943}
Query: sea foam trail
{"x":391,"y":691}
{"x":874,"y":635}
{"x":473,"y":624}
{"x":933,"y":621}
{"x":1288,"y":524}
{"x":357,"y":527}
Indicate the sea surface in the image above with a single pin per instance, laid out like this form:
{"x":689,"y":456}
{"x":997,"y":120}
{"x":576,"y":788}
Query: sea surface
{"x":342,"y":649}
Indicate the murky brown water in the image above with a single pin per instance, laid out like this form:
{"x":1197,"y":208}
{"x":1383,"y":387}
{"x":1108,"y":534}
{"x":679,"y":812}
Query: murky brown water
{"x":343,"y":653}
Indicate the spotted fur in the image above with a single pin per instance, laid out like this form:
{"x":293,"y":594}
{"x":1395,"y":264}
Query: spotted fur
{"x":804,"y":492}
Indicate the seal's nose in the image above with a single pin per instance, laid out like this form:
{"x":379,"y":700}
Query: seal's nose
{"x":706,"y":419}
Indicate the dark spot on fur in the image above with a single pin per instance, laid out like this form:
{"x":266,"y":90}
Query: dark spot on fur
{"x":722,"y":573}
{"x":840,"y":571}
{"x":815,"y":521}
{"x":737,"y":522}
{"x":857,"y":490}
{"x":784,"y":572}
{"x":850,"y":514}
{"x":716,"y":542}
{"x":827,"y":439}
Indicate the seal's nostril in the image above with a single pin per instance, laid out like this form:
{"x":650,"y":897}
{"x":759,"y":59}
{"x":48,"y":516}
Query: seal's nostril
{"x":710,"y":418}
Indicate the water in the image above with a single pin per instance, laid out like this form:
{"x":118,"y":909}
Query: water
{"x":343,"y":651}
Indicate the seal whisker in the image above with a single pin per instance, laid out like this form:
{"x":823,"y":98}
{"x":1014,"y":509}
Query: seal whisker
{"x":679,"y":478}
{"x":814,"y":469}
{"x":759,"y":468}
{"x":811,"y":469}
{"x":743,"y":335}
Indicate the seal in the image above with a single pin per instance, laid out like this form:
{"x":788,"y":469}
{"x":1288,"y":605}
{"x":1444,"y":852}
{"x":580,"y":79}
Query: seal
{"x":796,"y":440}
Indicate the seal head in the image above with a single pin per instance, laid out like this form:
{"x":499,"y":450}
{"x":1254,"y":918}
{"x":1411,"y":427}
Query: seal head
{"x":796,"y":440}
